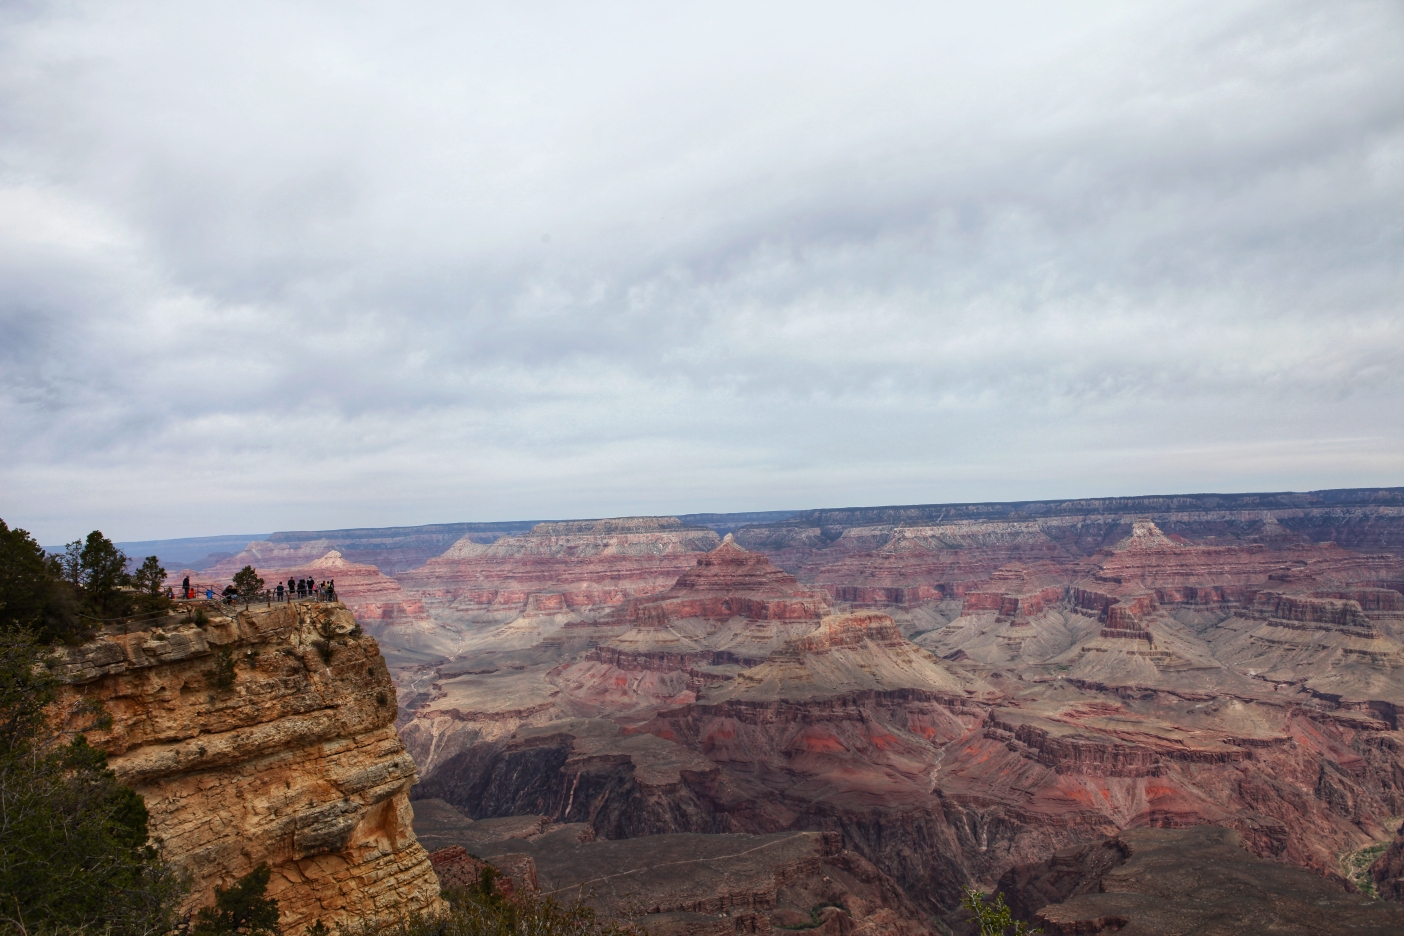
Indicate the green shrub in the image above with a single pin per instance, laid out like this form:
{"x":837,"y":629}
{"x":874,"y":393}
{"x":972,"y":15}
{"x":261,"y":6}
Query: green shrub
{"x":34,"y":594}
{"x":993,"y":919}
{"x":240,"y":910}
{"x":222,"y":676}
{"x":75,"y":851}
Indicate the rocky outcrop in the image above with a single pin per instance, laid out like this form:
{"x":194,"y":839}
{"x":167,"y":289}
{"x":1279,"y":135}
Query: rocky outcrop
{"x":1165,"y":882}
{"x":1388,"y":870}
{"x":680,"y":884}
{"x":580,"y":771}
{"x":264,"y":736}
{"x":845,"y":654}
{"x":732,"y":609}
{"x":725,"y":583}
{"x":589,"y":568}
{"x":376,"y":600}
{"x":1336,"y":614}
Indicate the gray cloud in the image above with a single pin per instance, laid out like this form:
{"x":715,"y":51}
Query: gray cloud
{"x":296,"y":266}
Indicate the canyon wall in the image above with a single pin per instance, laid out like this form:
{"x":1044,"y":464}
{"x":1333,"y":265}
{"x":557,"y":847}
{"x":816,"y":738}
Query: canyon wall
{"x":954,"y":690}
{"x":1020,"y":697}
{"x":264,"y":735}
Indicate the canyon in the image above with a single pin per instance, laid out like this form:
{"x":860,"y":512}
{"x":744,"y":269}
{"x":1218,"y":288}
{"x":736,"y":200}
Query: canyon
{"x":262,"y":736}
{"x":951,"y":692}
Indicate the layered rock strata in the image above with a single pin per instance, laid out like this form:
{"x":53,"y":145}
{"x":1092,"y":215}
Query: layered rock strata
{"x":264,"y":736}
{"x":1028,"y":685}
{"x":530,"y":586}
{"x":686,"y":884}
{"x":1161,"y":882}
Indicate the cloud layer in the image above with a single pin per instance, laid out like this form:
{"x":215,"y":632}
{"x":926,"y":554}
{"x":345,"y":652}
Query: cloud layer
{"x":308,"y":265}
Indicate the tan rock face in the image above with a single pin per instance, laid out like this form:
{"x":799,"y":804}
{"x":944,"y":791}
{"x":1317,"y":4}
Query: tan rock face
{"x":293,"y":761}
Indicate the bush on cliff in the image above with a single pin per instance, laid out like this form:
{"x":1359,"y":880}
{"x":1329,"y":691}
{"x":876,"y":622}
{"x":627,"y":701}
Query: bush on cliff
{"x":993,"y":919}
{"x":243,"y":909}
{"x":75,"y":853}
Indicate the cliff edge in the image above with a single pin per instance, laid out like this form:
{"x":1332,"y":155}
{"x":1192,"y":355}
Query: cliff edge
{"x":264,"y":735}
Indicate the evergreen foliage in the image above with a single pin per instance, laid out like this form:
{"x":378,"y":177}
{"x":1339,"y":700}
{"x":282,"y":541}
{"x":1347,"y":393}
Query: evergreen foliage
{"x":222,"y":676}
{"x":76,"y":852}
{"x":33,"y":593}
{"x":244,"y":909}
{"x":248,"y":583}
{"x":150,"y":582}
{"x":103,"y":575}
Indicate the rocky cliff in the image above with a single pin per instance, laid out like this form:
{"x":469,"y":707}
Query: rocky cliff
{"x":1164,"y":882}
{"x":264,"y":735}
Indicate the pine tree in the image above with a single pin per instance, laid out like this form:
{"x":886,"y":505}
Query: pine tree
{"x":103,"y":570}
{"x":241,"y":909}
{"x":248,"y":583}
{"x":150,"y":581}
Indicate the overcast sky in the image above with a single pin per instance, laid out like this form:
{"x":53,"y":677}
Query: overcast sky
{"x":308,"y":265}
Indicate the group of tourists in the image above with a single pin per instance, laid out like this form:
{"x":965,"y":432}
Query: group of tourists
{"x":307,"y":588}
{"x":295,"y":589}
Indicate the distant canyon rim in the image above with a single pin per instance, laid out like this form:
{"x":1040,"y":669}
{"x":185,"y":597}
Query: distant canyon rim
{"x":936,"y":695}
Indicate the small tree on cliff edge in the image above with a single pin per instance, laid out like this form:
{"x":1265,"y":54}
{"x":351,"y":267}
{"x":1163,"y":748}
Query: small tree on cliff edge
{"x":248,"y":583}
{"x":103,"y":570}
{"x":150,"y":579}
{"x":994,"y":918}
{"x":240,"y":910}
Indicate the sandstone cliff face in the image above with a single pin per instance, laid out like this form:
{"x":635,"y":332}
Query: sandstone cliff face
{"x":288,"y":756}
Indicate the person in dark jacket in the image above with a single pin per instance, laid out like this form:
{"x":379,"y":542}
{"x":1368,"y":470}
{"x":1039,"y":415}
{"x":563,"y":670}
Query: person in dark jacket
{"x":292,"y":589}
{"x":185,"y":587}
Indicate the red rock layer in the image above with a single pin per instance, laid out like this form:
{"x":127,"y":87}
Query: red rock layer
{"x":584,"y":567}
{"x":1017,"y":591}
{"x":911,"y":569}
{"x":725,"y":583}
